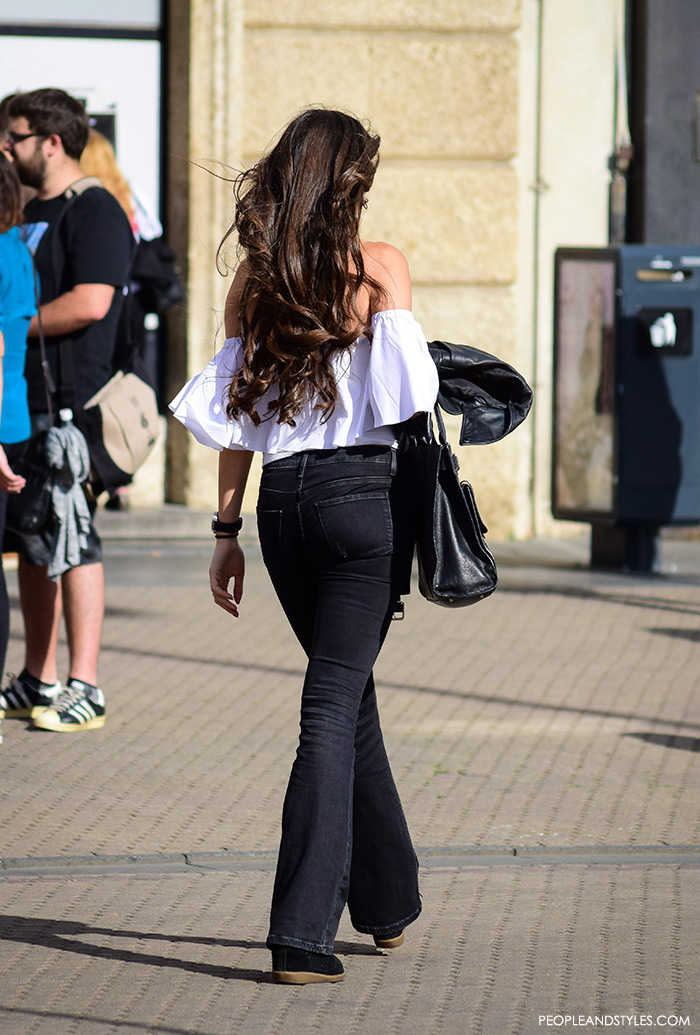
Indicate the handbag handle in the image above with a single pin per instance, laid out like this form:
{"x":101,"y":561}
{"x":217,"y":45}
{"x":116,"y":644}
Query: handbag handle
{"x":441,"y":426}
{"x":447,"y":451}
{"x":419,"y":430}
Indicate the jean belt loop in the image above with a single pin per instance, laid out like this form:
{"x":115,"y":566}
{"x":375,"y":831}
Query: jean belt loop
{"x":394,"y":464}
{"x":303,"y":457}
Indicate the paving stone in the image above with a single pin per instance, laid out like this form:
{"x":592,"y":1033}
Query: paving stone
{"x":562,"y":716}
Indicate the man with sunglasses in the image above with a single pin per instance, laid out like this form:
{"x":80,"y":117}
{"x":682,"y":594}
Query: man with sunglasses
{"x":82,"y":245}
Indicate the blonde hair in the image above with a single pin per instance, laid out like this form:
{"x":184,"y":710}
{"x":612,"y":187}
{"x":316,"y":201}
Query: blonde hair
{"x":98,"y":159}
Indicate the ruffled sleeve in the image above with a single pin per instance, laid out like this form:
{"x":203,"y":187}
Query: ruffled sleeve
{"x":200,"y":404}
{"x":402,"y":377}
{"x":380,"y":384}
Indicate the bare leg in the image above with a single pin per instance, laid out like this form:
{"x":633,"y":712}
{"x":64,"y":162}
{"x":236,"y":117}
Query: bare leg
{"x":40,"y":599}
{"x":83,"y":601}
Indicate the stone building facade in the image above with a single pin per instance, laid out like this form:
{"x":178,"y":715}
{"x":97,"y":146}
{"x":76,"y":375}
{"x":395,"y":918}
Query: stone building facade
{"x":496,"y":118}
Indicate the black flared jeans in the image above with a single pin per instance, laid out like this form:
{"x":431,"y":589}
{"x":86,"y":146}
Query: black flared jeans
{"x":328,"y":530}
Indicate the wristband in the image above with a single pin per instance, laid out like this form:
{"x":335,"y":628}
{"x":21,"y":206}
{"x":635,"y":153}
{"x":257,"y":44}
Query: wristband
{"x":231,"y":528}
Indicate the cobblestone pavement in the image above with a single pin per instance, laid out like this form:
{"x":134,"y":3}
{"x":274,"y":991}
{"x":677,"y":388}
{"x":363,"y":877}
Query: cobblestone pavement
{"x":546,"y":744}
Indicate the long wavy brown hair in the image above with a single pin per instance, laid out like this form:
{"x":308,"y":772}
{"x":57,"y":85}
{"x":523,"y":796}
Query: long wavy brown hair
{"x":297,"y":219}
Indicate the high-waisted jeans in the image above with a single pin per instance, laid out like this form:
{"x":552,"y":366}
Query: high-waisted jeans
{"x":326,"y":520}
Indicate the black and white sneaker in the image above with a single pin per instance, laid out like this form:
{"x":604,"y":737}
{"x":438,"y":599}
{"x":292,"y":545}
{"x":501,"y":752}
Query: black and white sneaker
{"x":80,"y":707}
{"x":26,"y":696}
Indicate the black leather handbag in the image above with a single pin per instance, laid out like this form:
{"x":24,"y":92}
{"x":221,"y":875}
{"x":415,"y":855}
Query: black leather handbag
{"x":455,"y":566}
{"x":29,"y":511}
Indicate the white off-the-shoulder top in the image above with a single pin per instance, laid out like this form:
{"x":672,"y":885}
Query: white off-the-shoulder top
{"x":379,"y":384}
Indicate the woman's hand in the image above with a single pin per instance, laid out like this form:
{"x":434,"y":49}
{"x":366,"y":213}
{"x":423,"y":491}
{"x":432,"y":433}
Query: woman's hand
{"x":9,"y":481}
{"x":227,"y":563}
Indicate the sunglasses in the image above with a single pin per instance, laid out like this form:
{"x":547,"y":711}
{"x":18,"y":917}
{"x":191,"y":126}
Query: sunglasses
{"x":17,"y":138}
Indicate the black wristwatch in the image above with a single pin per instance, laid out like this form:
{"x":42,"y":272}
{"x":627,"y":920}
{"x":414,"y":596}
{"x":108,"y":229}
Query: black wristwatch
{"x":231,"y":528}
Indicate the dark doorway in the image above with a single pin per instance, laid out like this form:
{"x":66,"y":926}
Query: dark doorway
{"x":665,"y":122}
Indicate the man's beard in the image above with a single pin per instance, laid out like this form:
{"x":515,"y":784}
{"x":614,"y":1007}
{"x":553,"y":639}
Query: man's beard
{"x":32,"y":172}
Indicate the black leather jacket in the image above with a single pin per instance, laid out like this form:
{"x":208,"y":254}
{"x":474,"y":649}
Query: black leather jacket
{"x":492,"y":396}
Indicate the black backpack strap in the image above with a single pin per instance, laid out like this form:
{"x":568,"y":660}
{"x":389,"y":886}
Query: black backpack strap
{"x":49,"y":386}
{"x":66,"y":369}
{"x":53,"y":235}
{"x":66,"y":376}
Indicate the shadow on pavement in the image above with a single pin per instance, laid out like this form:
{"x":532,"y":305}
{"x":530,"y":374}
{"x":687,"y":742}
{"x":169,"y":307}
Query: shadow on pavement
{"x":60,"y":934}
{"x":668,"y":740}
{"x":603,"y":596}
{"x":72,"y":1018}
{"x":679,"y":634}
{"x":549,"y":706}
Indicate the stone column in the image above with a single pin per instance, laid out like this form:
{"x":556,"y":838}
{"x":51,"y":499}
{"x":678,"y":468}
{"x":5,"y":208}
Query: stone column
{"x":439,"y":81}
{"x":205,"y":114}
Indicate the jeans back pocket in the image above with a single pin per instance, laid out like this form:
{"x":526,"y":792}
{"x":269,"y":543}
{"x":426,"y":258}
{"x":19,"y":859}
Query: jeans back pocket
{"x":357,"y":526}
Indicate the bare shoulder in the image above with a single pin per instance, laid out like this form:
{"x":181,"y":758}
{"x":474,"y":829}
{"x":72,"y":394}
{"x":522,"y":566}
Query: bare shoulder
{"x":389,"y":268}
{"x":233,"y":300}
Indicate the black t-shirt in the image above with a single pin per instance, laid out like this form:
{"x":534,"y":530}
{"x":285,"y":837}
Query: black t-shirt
{"x":94,"y":246}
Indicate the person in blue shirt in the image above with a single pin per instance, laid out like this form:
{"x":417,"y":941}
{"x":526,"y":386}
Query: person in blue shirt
{"x":17,"y":307}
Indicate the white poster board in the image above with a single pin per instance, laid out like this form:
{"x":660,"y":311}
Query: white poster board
{"x":119,"y":76}
{"x":131,"y":14}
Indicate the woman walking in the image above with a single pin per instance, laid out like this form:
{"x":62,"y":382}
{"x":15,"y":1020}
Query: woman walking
{"x":322,"y":358}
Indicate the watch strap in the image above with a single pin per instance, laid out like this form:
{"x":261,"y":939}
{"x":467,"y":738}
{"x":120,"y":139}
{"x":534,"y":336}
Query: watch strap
{"x":228,"y":527}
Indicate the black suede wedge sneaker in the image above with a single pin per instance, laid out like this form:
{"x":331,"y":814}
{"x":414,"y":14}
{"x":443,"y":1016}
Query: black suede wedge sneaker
{"x":392,"y":940}
{"x":300,"y":967}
